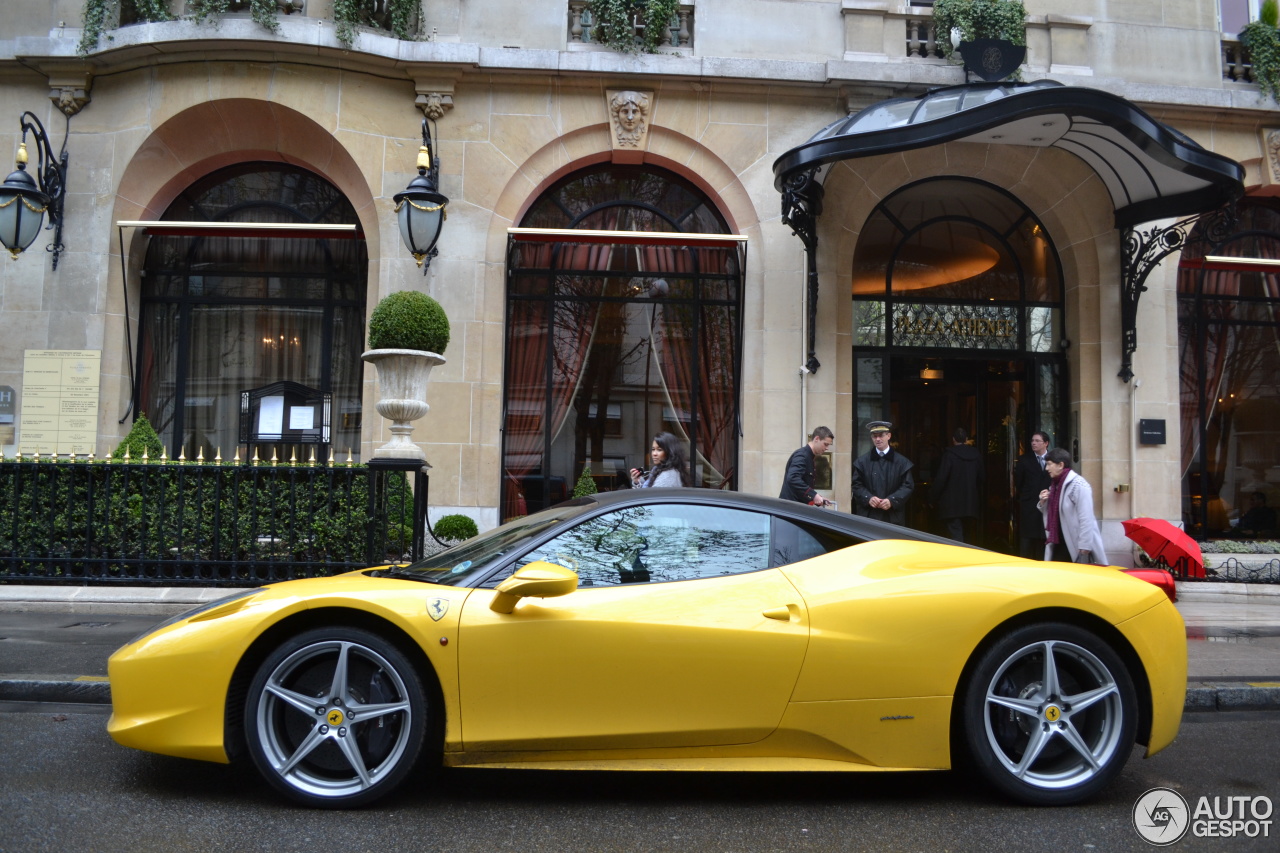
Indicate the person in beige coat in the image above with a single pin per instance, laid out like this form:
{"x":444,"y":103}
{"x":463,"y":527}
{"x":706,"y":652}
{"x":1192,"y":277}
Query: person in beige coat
{"x":1071,"y":532}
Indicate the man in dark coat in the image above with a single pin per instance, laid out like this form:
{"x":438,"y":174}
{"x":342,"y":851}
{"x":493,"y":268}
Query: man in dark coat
{"x":1029,"y":479}
{"x":882,"y":478}
{"x":797,"y":483}
{"x":957,"y":488}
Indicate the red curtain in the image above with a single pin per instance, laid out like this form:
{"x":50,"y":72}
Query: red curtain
{"x":676,"y":327}
{"x":528,"y":330}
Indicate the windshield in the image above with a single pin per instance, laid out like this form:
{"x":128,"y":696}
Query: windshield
{"x":454,"y":565}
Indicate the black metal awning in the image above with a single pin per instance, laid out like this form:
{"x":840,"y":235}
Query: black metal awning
{"x":1151,"y":170}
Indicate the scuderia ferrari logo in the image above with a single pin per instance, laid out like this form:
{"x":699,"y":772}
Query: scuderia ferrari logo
{"x":437,"y":608}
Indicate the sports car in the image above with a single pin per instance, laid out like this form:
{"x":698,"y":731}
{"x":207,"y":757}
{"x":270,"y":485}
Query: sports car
{"x":670,"y":629}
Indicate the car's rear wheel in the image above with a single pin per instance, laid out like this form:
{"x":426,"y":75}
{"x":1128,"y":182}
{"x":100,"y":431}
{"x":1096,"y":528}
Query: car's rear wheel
{"x":1050,"y":714}
{"x":335,"y":717}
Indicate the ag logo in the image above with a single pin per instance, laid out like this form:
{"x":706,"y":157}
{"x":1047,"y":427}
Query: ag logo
{"x":1161,"y":816}
{"x":437,"y":608}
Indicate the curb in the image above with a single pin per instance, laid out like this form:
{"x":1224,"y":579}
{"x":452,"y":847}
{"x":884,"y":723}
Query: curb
{"x":1200,"y":696}
{"x":74,"y":692}
{"x":1231,"y":697}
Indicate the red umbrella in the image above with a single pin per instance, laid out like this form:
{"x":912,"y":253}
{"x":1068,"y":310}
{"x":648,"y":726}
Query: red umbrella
{"x":1162,"y":541}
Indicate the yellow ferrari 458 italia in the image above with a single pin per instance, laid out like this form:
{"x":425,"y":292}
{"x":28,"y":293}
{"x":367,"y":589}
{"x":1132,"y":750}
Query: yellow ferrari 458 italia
{"x":670,"y":629}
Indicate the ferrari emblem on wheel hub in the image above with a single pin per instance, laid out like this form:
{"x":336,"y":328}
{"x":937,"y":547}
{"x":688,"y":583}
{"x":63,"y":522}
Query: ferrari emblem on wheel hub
{"x":1052,"y":713}
{"x":335,"y":717}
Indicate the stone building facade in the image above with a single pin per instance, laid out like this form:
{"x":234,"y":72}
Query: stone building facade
{"x":525,"y":106}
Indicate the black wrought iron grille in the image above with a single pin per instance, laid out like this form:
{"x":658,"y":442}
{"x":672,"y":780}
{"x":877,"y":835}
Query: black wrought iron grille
{"x":201,"y":524}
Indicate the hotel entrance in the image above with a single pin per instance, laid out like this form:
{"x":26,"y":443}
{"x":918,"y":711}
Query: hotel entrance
{"x":991,"y":400}
{"x":957,"y":322}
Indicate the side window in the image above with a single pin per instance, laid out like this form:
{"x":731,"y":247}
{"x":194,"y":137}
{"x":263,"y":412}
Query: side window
{"x":662,"y":542}
{"x":794,"y":543}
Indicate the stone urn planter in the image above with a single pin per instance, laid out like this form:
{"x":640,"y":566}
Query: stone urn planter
{"x":408,"y":332}
{"x":402,"y":396}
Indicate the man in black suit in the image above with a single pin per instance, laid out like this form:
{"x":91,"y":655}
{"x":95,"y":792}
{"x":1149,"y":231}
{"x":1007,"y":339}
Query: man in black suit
{"x":1029,"y":479}
{"x":797,"y":483}
{"x":957,"y":487}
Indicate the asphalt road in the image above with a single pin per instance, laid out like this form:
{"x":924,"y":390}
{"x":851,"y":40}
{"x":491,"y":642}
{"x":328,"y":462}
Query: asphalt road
{"x":66,"y":786}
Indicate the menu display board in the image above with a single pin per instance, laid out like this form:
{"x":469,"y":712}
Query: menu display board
{"x":60,"y":401}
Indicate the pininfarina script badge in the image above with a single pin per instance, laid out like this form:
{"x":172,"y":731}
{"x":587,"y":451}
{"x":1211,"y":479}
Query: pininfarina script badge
{"x":437,"y":608}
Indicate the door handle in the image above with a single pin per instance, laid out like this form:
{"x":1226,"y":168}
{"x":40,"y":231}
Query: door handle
{"x":782,"y":614}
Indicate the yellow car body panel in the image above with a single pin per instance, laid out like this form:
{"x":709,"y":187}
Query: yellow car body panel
{"x":169,"y":688}
{"x":689,"y":663}
{"x":895,"y":619}
{"x":1166,"y":668}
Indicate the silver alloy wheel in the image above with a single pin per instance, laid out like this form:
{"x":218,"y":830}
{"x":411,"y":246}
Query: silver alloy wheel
{"x":1054,"y":715}
{"x":333,"y":719}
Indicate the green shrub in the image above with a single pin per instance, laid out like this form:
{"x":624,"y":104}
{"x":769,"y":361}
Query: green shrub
{"x":83,"y":520}
{"x":456,"y":528}
{"x":1262,"y":43}
{"x":142,"y":436}
{"x":613,"y":23}
{"x":408,"y":319}
{"x":996,"y":19}
{"x":585,"y":485}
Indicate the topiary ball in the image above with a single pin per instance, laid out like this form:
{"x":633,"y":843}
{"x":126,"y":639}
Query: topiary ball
{"x":455,"y":528}
{"x":408,"y":319}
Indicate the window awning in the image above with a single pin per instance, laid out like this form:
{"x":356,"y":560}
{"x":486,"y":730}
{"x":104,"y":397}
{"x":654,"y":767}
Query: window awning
{"x":1151,"y":170}
{"x":624,"y":238}
{"x":295,"y":230}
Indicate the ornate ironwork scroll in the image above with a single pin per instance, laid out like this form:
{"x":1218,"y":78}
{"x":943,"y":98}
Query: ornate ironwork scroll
{"x":801,"y":207}
{"x":1142,"y":251}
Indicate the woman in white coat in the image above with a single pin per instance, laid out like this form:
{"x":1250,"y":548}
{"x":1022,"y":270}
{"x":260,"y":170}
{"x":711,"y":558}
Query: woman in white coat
{"x":1071,"y":531}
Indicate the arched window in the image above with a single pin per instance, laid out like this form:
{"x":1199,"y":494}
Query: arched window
{"x":1229,"y":343}
{"x":223,"y":314}
{"x":611,"y":339}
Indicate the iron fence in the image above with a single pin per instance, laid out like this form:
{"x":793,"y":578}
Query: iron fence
{"x":207,"y":524}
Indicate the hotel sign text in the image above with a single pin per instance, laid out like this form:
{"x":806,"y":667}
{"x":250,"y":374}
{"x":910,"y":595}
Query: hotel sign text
{"x":960,"y":326}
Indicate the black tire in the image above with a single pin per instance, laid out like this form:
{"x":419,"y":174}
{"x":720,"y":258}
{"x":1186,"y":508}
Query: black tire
{"x":335,"y":717}
{"x":1049,"y":714}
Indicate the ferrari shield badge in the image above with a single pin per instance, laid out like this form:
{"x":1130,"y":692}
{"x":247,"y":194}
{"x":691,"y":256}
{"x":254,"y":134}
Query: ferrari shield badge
{"x":437,"y":608}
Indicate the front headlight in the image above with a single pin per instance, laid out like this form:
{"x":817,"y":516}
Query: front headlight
{"x":196,"y":611}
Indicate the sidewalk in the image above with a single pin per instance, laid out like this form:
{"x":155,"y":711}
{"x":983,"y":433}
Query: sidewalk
{"x":1233,"y":640}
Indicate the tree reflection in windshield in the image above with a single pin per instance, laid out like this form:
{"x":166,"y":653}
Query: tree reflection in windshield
{"x":664,"y":542}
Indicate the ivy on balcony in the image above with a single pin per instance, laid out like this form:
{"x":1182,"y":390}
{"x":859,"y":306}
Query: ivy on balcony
{"x":400,"y":17}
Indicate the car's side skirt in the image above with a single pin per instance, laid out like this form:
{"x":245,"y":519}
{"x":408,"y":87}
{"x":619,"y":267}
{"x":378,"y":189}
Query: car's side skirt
{"x":868,"y":734}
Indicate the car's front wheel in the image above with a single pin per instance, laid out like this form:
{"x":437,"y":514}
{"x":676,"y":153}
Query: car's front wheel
{"x":1050,"y":714}
{"x":335,"y":717}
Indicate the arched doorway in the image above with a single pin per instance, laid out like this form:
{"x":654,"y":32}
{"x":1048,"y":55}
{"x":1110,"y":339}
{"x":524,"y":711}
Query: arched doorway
{"x":611,"y":337}
{"x":245,"y":308}
{"x":957,"y":319}
{"x":1229,"y":358}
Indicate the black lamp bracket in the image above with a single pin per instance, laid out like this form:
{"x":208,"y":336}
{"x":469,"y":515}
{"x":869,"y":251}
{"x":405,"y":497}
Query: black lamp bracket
{"x":51,"y":175}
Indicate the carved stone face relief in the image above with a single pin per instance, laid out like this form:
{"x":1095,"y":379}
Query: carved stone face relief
{"x":1271,"y":147}
{"x":629,"y":114}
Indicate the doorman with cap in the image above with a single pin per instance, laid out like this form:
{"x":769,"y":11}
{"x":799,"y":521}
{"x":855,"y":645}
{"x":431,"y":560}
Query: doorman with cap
{"x":882,"y":478}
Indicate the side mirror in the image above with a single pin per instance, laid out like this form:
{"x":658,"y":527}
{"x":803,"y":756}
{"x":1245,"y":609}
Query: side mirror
{"x":539,"y":579}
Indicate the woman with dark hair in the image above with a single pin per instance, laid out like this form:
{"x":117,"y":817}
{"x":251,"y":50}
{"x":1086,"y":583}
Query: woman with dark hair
{"x":1070,"y":530}
{"x":667,"y":465}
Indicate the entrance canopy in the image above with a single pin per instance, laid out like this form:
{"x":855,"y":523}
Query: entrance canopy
{"x":1151,"y":170}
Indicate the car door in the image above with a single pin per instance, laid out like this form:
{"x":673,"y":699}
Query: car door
{"x":678,"y":635}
